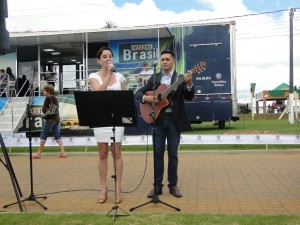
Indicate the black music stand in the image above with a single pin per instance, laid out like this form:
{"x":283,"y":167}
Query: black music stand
{"x":32,"y":196}
{"x":10,"y":169}
{"x":107,"y":109}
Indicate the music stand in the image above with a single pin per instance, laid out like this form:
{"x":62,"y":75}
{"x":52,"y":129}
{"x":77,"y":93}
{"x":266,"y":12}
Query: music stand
{"x":107,"y":109}
{"x":10,"y":169}
{"x":32,"y":196}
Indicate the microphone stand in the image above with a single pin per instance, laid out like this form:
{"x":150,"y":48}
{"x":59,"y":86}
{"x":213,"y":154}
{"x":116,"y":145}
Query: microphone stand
{"x":31,"y":197}
{"x":155,"y":199}
{"x":10,"y":169}
{"x":115,"y":207}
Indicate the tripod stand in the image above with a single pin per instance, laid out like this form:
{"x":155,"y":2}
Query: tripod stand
{"x":31,"y":197}
{"x":106,"y":109}
{"x":115,"y":208}
{"x":10,"y":169}
{"x":155,"y":199}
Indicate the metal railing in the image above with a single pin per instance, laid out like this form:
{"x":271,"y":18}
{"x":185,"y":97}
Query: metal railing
{"x":15,"y":105}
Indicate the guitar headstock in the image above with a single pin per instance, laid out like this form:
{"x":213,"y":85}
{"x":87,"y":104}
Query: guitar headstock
{"x":199,"y":68}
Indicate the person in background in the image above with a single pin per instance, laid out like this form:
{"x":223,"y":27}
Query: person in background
{"x":51,"y":123}
{"x":11,"y":87}
{"x":147,"y":69}
{"x":270,"y":109}
{"x":11,"y":77}
{"x":24,"y":84}
{"x":2,"y":73}
{"x":274,"y":106}
{"x":107,"y":79}
{"x":3,"y":81}
{"x":174,"y":120}
{"x":51,"y":75}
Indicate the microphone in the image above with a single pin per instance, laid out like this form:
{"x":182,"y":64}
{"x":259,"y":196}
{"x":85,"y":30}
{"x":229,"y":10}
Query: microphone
{"x":113,"y":69}
{"x":155,"y":63}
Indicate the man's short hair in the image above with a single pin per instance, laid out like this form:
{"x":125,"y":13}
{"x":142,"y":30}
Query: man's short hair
{"x":167,"y":51}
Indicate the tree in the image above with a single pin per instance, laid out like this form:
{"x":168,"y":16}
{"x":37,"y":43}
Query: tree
{"x":109,"y":24}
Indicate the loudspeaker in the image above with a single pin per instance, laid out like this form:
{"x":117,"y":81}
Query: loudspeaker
{"x":4,"y":40}
{"x":4,"y":35}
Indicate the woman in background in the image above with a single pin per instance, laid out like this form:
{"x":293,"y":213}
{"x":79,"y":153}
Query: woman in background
{"x":10,"y":74}
{"x":52,"y":122}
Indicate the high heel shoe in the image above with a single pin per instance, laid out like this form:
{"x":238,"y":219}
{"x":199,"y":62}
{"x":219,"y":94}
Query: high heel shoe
{"x":102,"y":199}
{"x":119,"y":197}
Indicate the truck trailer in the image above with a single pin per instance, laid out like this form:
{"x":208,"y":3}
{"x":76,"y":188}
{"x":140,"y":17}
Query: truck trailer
{"x":215,"y":88}
{"x":73,"y":56}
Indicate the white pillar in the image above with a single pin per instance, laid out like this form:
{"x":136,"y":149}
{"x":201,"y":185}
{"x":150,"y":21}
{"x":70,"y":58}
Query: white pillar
{"x":252,"y":106}
{"x":296,"y":97}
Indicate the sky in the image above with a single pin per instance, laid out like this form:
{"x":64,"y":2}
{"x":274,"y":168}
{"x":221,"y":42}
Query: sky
{"x":262,"y":28}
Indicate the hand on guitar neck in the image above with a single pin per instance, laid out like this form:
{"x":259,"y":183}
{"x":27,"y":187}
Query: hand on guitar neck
{"x":188,"y":79}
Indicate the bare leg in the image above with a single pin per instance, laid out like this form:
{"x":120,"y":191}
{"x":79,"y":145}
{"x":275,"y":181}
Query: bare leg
{"x":61,"y":146}
{"x":119,"y":167}
{"x":39,"y":152}
{"x":103,"y":155}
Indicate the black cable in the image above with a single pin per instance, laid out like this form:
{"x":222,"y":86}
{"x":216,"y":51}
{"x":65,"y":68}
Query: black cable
{"x":67,"y":191}
{"x":147,"y":150}
{"x":127,"y":192}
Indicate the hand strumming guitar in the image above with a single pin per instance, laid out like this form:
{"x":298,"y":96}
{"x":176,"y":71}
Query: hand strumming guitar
{"x":149,"y":99}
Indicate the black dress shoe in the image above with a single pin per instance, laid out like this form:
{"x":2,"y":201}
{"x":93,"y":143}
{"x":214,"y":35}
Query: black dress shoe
{"x":175,"y":192}
{"x":158,"y":192}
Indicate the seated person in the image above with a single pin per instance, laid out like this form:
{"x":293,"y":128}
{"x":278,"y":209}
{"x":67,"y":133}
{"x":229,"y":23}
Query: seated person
{"x":147,"y":69}
{"x":3,"y":80}
{"x":50,"y":75}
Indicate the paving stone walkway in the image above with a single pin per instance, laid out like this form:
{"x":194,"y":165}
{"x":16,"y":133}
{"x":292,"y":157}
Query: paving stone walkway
{"x":226,"y":182}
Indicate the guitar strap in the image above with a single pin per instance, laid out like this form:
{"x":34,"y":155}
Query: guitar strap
{"x":157,"y":82}
{"x":174,"y":78}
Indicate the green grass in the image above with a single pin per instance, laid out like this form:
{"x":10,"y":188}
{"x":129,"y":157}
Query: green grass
{"x":142,"y":148}
{"x":146,"y":219}
{"x":248,"y":127}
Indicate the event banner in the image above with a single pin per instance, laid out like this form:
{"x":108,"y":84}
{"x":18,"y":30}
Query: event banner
{"x":18,"y":140}
{"x":132,"y":54}
{"x":67,"y":112}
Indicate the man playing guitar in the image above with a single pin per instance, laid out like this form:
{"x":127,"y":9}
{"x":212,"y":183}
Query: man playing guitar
{"x":170,"y":118}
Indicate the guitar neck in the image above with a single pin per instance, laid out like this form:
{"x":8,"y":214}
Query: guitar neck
{"x":198,"y":68}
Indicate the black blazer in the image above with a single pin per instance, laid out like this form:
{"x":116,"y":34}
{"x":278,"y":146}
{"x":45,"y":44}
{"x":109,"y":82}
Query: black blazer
{"x":177,"y":98}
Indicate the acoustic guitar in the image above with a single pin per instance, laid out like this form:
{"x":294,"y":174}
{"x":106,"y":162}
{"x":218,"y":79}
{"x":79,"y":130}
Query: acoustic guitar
{"x":163,"y":94}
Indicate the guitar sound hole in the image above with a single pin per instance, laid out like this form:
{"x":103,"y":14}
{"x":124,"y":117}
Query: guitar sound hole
{"x":159,"y":98}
